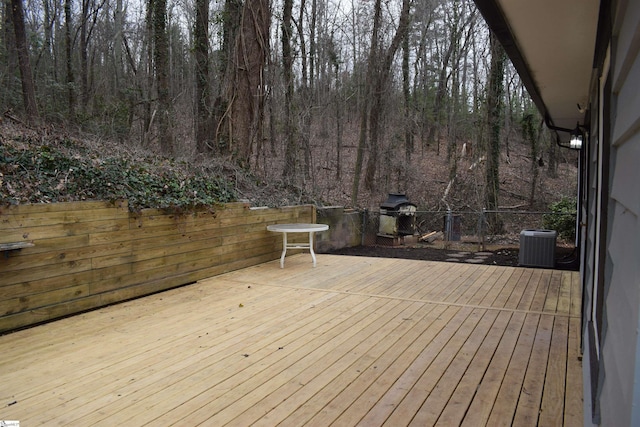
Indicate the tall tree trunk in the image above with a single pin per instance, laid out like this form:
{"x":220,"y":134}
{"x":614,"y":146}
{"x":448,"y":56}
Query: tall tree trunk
{"x":90,"y":13}
{"x":362,"y":140}
{"x":230,"y":26}
{"x":408,"y":107}
{"x":118,"y":43}
{"x":271,"y":71}
{"x":552,"y":162}
{"x":531,"y":137}
{"x":420,"y":79}
{"x":452,"y":131}
{"x":28,"y":86}
{"x":303,"y":44}
{"x":305,"y":92}
{"x":312,"y":43}
{"x":150,"y":76}
{"x":84,"y":54}
{"x":381,"y":76}
{"x":9,"y":44}
{"x":48,"y":36}
{"x":161,"y":60}
{"x":291,"y":148}
{"x":368,"y":89}
{"x":441,"y":91}
{"x":71,"y":95}
{"x":245,"y":87}
{"x":495,"y":108}
{"x":225,"y":74}
{"x":339,"y":119}
{"x":202,"y":95}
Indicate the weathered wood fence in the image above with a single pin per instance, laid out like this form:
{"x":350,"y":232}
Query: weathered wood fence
{"x":90,"y":254}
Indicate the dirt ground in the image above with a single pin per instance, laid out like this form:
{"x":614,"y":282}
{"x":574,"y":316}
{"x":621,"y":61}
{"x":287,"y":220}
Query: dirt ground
{"x":507,"y":256}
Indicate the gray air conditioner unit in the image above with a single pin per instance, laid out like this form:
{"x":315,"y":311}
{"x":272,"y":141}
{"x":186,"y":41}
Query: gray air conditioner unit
{"x":538,"y":248}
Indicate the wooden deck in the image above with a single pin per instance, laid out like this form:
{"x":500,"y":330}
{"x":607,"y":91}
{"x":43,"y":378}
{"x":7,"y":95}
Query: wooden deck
{"x":354,"y":341}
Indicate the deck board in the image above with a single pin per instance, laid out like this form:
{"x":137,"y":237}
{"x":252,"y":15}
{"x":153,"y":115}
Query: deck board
{"x":552,"y":407}
{"x":453,"y":371}
{"x":354,"y":341}
{"x":529,"y":402}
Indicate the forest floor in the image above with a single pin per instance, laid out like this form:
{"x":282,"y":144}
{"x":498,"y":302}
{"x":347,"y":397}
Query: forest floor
{"x":48,"y":164}
{"x":503,"y":255}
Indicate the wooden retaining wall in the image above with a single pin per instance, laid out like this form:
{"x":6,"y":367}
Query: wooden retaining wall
{"x":90,"y":254}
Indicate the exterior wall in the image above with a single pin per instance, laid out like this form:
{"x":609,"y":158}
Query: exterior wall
{"x":618,"y":384}
{"x":91,"y":254}
{"x":345,"y":228}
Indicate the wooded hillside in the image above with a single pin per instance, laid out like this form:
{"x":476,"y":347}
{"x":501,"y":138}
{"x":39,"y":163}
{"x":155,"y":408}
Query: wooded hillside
{"x":279,"y":102}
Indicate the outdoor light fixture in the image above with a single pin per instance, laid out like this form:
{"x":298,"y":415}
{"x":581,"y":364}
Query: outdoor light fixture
{"x":575,"y":143}
{"x":576,"y":135}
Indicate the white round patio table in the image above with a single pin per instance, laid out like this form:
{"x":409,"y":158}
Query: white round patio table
{"x":297,"y":228}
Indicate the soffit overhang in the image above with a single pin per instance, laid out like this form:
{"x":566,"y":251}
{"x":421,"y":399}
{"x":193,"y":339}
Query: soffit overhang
{"x":552,"y":44}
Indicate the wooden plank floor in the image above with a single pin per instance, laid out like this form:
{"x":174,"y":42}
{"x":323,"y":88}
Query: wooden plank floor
{"x":354,"y":341}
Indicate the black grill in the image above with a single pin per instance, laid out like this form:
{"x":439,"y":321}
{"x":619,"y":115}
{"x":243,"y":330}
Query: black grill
{"x":397,"y":216}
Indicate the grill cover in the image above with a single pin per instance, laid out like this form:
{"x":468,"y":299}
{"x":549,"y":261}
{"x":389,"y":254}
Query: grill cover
{"x":394,"y":201}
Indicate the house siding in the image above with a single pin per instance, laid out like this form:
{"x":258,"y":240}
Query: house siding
{"x":619,"y":393}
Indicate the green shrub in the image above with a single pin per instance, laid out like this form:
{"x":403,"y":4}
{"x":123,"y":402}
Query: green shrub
{"x":562,"y":218}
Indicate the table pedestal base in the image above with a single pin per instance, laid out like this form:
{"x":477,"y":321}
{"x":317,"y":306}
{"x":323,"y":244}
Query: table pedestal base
{"x":286,"y":245}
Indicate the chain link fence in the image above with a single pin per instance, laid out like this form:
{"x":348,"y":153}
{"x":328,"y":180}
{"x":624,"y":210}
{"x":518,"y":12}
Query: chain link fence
{"x":483,"y":228}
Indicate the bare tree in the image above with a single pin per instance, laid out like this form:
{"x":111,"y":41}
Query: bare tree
{"x":203,"y":92}
{"x":381,"y":75}
{"x":245,"y":89}
{"x":462,"y":26}
{"x":306,"y":98}
{"x":148,"y":82}
{"x":458,"y":21}
{"x":552,"y":161}
{"x":495,"y":108}
{"x":336,"y":80}
{"x":161,"y":62}
{"x":408,"y":107}
{"x":289,"y":170}
{"x":8,"y":55}
{"x":339,"y":120}
{"x":422,"y":70}
{"x":368,"y":91}
{"x":68,"y":44}
{"x":28,"y":87}
{"x":231,"y":17}
{"x":530,"y":135}
{"x":118,"y":43}
{"x":88,"y":22}
{"x":378,"y":73}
